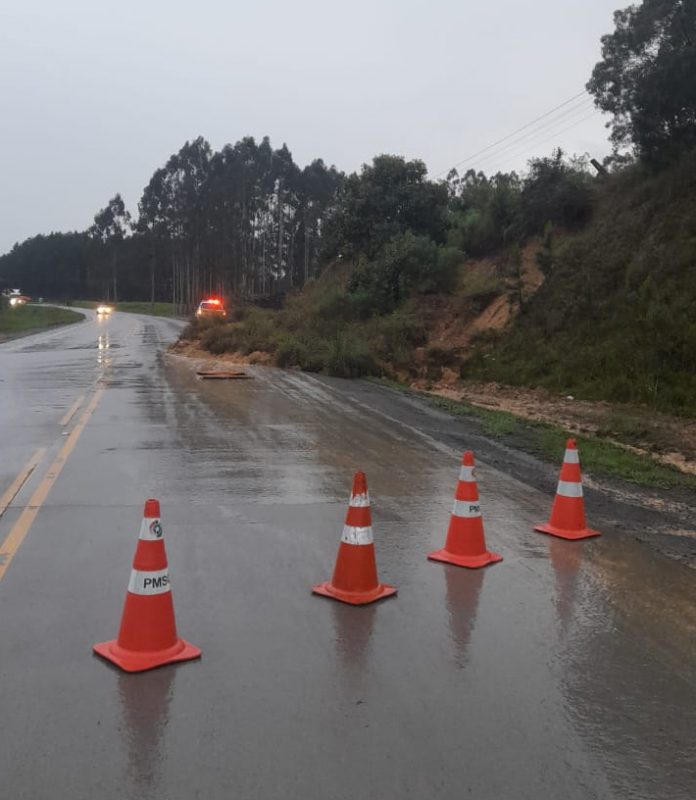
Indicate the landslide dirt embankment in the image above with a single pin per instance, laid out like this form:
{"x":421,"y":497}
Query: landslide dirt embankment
{"x":487,"y":298}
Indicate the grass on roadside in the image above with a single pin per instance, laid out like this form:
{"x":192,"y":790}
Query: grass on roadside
{"x":26,"y":318}
{"x":599,"y":457}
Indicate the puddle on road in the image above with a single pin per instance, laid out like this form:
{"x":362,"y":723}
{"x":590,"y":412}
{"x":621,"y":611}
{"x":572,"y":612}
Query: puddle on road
{"x":144,"y":701}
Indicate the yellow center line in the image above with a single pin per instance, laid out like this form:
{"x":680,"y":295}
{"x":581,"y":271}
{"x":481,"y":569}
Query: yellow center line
{"x":10,"y":493}
{"x":71,"y":411}
{"x":21,"y":528}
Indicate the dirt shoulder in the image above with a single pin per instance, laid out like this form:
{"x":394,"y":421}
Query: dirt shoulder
{"x":666,"y":439}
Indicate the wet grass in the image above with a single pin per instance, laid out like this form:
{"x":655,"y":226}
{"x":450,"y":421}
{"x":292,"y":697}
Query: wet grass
{"x":30,"y":317}
{"x":546,"y":441}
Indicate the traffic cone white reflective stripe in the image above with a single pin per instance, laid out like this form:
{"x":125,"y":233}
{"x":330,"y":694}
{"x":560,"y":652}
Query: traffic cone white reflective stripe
{"x":151,"y":582}
{"x":356,"y":535}
{"x":361,"y":500}
{"x":466,"y":509}
{"x":569,"y":489}
{"x":571,"y":456}
{"x":466,"y":474}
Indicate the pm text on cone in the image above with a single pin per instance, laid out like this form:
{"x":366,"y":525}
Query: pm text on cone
{"x":148,"y":637}
{"x":567,"y":519}
{"x":355,"y":579}
{"x":465,"y":545}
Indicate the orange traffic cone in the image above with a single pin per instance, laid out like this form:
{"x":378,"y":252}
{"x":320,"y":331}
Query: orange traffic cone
{"x":568,"y":511}
{"x":465,"y":545}
{"x":148,"y":635}
{"x":354,"y":579}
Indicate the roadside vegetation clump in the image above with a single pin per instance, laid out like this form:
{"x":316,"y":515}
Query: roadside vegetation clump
{"x":318,"y":331}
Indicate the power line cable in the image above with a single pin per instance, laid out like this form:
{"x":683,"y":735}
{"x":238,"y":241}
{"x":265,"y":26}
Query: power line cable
{"x":510,"y":135}
{"x":534,"y":145}
{"x":548,"y":126}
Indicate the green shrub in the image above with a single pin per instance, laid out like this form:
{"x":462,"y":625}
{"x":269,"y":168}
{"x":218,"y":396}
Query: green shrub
{"x":556,"y":191}
{"x":197,"y":327}
{"x":315,"y":356}
{"x":290,"y":353}
{"x":349,"y":358}
{"x":218,"y":339}
{"x":406,"y":264}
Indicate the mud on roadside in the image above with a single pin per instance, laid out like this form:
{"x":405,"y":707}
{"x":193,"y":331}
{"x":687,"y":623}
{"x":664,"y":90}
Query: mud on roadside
{"x":667,"y":439}
{"x":194,"y":352}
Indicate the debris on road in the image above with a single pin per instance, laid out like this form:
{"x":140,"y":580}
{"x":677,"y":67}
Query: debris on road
{"x":222,"y":375}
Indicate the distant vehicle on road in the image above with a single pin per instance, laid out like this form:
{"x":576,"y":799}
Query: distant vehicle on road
{"x":212,"y":308}
{"x":15,"y":297}
{"x":104,"y":310}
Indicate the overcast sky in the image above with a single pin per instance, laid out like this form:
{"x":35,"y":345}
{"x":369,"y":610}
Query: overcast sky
{"x":95,"y":96}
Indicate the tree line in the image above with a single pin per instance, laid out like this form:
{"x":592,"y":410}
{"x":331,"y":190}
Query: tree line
{"x":245,"y":220}
{"x":248,"y":221}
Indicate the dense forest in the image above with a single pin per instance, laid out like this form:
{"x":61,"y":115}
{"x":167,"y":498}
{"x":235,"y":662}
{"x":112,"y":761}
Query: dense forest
{"x":245,"y":220}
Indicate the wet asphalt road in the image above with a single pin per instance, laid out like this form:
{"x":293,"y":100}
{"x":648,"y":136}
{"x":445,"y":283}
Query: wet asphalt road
{"x":567,"y":671}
